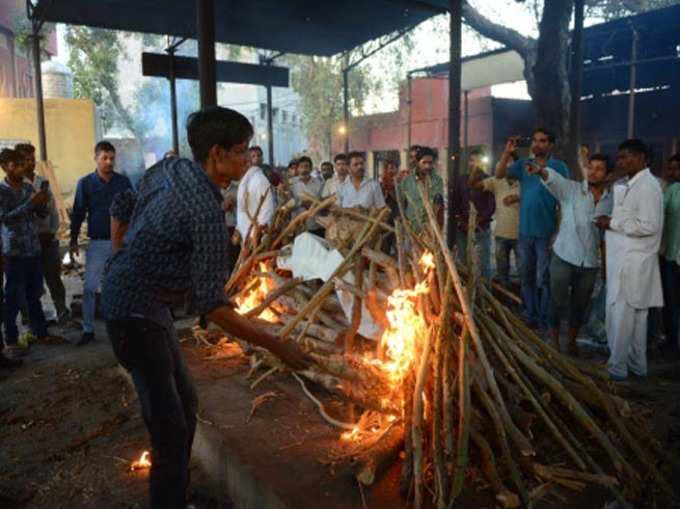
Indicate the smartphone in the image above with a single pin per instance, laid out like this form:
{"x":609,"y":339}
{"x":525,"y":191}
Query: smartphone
{"x":45,"y":185}
{"x":523,"y":141}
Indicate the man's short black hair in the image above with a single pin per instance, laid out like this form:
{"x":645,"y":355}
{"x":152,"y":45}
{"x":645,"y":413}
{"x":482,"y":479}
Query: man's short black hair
{"x":305,"y":159}
{"x":24,"y":148}
{"x":216,"y":126}
{"x":635,"y":146}
{"x":414,"y":148}
{"x":543,"y":130}
{"x":603,"y":158}
{"x":8,"y":155}
{"x":104,"y":146}
{"x":424,"y":152}
{"x":354,"y":154}
{"x":675,"y":158}
{"x":340,"y":157}
{"x":256,"y":148}
{"x":327,"y":163}
{"x":293,"y":162}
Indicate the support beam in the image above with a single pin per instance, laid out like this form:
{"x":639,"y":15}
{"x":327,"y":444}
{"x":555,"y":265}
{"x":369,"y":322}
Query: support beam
{"x":453,"y":162}
{"x":345,"y":106}
{"x":409,"y":85}
{"x":576,"y":87}
{"x":632,"y":82}
{"x":205,"y":30}
{"x":173,"y":100}
{"x":39,"y":99}
{"x":270,"y":126}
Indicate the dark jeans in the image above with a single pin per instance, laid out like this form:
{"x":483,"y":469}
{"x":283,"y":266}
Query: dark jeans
{"x":51,"y":266}
{"x":571,"y":288}
{"x":503,"y":249}
{"x":23,"y":277}
{"x":152,"y":355}
{"x":534,"y":262}
{"x":670,"y":279}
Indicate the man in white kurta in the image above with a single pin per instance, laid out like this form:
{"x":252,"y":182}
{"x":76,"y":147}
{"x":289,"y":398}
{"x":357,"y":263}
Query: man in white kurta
{"x":251,"y":190}
{"x":633,"y":240}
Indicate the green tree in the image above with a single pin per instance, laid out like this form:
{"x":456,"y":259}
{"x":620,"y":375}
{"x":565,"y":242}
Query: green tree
{"x":93,"y":58}
{"x":318,"y":81}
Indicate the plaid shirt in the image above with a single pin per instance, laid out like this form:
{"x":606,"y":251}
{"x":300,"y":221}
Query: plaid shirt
{"x":19,"y":232}
{"x":176,"y":243}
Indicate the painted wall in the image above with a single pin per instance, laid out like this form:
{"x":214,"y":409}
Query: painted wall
{"x":70,"y":125}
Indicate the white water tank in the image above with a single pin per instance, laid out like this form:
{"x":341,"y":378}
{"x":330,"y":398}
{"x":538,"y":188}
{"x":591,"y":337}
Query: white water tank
{"x":57,"y":80}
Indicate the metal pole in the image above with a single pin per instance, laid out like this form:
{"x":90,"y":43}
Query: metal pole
{"x":270,"y":126}
{"x":453,"y":163}
{"x":40,"y":104}
{"x":410,"y":112}
{"x":631,"y":83}
{"x":205,"y":28}
{"x":345,"y":106}
{"x":576,"y":86}
{"x":466,"y":119}
{"x":173,"y":101}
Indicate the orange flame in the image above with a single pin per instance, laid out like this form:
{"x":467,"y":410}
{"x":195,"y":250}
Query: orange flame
{"x":407,"y":326}
{"x":427,"y":261}
{"x":142,"y":463}
{"x":256,"y":295}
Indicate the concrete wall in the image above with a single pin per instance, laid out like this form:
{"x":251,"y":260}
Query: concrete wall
{"x":70,"y":125}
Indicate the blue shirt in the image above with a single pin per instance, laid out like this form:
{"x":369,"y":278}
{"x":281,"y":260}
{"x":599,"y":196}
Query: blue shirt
{"x":17,"y":214}
{"x":176,"y":244}
{"x":578,"y":241}
{"x":93,"y":199}
{"x":537,"y":208}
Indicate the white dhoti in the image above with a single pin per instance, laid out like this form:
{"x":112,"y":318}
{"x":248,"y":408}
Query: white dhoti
{"x":627,"y":338}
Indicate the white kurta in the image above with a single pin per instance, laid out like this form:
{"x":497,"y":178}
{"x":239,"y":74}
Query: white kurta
{"x":633,"y":242}
{"x":251,"y":188}
{"x":633,"y":278}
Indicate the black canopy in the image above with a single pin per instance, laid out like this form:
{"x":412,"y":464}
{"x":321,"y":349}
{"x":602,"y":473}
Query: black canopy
{"x":313,"y":27}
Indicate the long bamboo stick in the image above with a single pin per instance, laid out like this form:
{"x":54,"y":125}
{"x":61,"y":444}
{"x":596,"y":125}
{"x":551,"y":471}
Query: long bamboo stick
{"x":417,"y":430}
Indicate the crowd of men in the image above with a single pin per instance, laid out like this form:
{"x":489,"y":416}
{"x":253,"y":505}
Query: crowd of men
{"x":610,"y":222}
{"x":176,"y":236}
{"x":567,"y":231}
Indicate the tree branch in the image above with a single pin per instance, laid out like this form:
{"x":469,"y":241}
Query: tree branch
{"x":525,"y":46}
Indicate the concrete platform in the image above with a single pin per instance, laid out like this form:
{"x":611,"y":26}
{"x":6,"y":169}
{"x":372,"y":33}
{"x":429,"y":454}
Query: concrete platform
{"x":280,"y":458}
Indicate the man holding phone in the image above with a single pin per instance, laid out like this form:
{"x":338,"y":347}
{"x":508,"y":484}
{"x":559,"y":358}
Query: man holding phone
{"x":47,"y":228}
{"x":537,"y":221}
{"x":19,"y":203}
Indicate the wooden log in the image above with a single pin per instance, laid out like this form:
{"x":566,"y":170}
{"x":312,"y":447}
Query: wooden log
{"x":273,"y":295}
{"x":517,"y":437}
{"x":370,"y":464}
{"x":301,"y":218}
{"x":388,"y":263}
{"x":505,"y":497}
{"x":417,"y":429}
{"x":501,"y":434}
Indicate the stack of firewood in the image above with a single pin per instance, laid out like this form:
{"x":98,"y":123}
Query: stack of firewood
{"x":456,"y":382}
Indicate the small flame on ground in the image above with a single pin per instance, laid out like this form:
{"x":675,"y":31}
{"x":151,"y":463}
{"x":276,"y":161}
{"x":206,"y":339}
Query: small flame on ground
{"x":257,"y":295}
{"x":142,"y":463}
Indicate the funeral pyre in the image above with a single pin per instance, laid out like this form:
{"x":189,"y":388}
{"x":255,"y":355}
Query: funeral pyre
{"x":439,"y":371}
